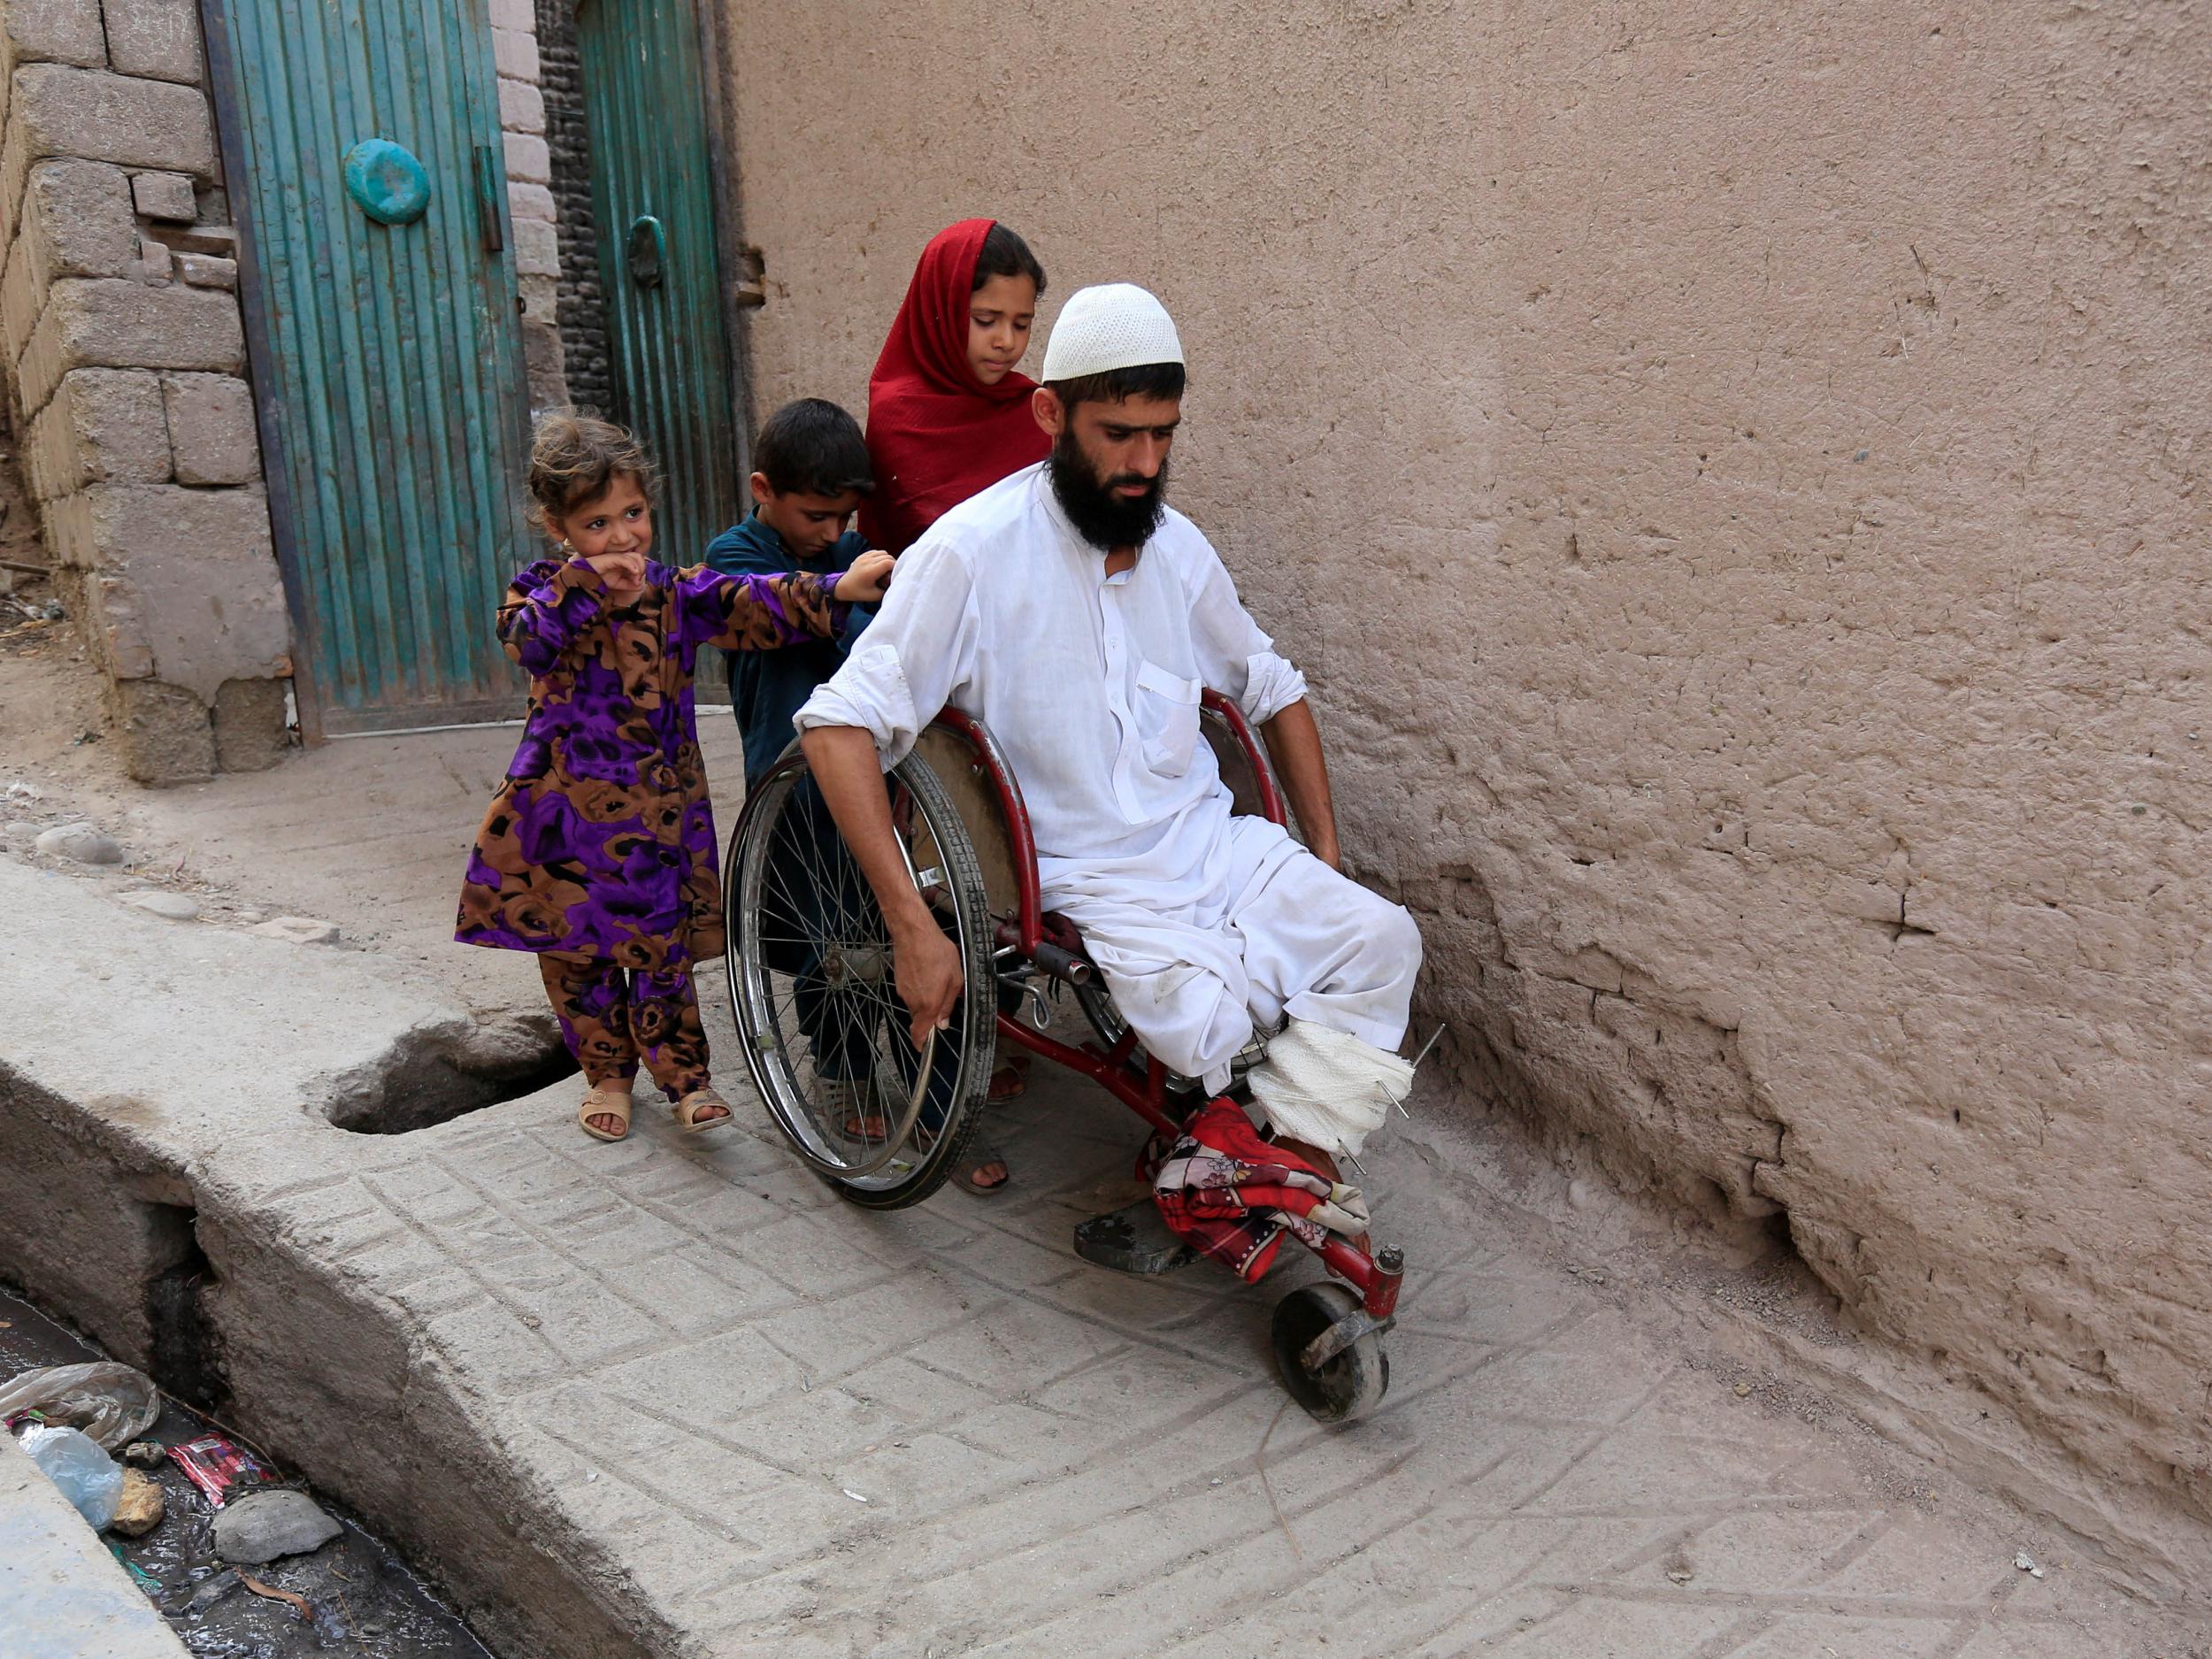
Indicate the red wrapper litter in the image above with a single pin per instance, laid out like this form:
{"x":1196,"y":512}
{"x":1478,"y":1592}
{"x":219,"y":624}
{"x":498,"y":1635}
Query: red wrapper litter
{"x":214,"y":1465}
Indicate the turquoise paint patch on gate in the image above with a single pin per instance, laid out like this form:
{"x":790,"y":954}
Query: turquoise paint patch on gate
{"x":387,"y":181}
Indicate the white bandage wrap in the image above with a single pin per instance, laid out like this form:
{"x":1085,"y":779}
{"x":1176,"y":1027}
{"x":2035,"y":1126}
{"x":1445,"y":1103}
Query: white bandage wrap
{"x":1326,"y":1088}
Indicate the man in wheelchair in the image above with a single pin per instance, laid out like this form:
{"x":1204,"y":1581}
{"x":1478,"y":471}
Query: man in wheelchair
{"x":1079,"y":618}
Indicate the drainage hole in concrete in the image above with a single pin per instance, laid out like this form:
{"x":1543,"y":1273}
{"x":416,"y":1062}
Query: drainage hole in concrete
{"x":365,"y":1600}
{"x":432,"y":1077}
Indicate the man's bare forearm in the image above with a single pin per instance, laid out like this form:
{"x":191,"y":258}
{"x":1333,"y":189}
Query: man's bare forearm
{"x":1293,"y":743}
{"x":844,"y":759}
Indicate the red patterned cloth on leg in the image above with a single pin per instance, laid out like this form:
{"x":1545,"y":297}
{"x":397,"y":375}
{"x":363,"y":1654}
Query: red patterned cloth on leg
{"x":1230,"y":1194}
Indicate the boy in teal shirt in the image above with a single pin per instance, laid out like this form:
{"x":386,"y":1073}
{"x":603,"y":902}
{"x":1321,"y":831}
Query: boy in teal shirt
{"x":812,"y":470}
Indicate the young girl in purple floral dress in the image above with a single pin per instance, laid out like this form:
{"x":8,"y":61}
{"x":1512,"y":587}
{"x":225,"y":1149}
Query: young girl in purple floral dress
{"x":598,"y":854}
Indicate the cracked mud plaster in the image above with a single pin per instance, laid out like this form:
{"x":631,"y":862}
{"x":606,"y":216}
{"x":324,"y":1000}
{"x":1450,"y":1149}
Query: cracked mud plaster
{"x":1732,"y":474}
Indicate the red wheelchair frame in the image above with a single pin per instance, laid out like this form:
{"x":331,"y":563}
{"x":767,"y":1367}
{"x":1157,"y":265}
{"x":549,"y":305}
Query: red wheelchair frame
{"x":1047,"y":942}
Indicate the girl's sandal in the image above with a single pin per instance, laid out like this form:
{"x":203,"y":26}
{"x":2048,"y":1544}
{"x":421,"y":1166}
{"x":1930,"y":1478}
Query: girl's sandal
{"x":699,"y":1100}
{"x":604,"y":1103}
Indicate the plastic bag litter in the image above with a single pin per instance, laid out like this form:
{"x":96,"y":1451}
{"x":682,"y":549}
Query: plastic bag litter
{"x":111,"y":1403}
{"x":88,"y":1476}
{"x":214,"y":1465}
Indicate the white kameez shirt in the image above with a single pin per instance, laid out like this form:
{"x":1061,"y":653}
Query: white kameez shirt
{"x":1089,"y":682}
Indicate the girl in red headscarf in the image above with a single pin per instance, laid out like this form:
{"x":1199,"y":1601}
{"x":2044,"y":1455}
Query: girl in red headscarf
{"x":948,"y":414}
{"x":949,"y":417}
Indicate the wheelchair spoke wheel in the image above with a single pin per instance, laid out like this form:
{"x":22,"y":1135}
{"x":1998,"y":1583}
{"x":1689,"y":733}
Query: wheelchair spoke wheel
{"x":814,"y":992}
{"x":1349,"y":1383}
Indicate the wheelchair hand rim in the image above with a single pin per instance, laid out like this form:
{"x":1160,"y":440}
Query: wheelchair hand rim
{"x":768,"y":1052}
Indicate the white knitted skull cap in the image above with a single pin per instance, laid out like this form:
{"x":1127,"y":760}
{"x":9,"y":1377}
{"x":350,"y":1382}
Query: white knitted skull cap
{"x":1113,"y":325}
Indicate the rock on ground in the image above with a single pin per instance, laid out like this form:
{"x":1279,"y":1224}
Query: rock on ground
{"x":139,"y":1511}
{"x":175,"y":906}
{"x":301,"y":930}
{"x":82,"y":843}
{"x":263,"y":1525}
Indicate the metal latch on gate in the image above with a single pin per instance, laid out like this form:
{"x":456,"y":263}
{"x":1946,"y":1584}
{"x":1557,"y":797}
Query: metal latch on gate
{"x":648,"y":253}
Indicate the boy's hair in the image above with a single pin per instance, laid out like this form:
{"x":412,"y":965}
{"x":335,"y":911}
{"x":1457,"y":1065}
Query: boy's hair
{"x":576,"y":457}
{"x":814,"y":447}
{"x":1110,"y":386}
{"x":1005,"y":254}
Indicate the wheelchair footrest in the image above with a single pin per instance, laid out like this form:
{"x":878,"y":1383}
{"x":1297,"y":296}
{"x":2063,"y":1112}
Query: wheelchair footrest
{"x":1133,"y":1239}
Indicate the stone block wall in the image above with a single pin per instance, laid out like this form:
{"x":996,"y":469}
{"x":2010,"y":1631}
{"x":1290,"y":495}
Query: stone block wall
{"x":125,"y":355}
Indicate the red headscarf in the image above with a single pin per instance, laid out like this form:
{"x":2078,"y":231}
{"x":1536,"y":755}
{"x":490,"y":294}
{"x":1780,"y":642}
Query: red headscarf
{"x":936,"y":433}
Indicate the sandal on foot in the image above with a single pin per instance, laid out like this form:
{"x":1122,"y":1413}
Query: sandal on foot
{"x":604,"y":1102}
{"x":699,"y":1100}
{"x":1010,"y":1081}
{"x":980,"y":1152}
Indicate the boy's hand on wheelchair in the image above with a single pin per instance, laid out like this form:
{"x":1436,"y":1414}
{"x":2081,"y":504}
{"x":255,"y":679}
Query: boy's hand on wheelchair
{"x":927,"y":966}
{"x":864,"y":581}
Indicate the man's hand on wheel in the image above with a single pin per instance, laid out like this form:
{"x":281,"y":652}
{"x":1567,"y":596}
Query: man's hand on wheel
{"x":927,"y":966}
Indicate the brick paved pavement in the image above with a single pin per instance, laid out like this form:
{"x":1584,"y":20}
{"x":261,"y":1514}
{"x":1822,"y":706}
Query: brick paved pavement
{"x":802,"y":1429}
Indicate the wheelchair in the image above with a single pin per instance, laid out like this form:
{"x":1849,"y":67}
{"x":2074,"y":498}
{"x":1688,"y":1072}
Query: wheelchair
{"x":829,"y":1044}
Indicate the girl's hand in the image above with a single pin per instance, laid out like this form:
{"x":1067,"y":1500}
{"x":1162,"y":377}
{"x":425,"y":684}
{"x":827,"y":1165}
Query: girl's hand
{"x":865,"y":582}
{"x":624,"y":573}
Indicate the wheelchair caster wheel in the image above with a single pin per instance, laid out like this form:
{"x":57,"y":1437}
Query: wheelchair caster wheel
{"x":1349,"y":1379}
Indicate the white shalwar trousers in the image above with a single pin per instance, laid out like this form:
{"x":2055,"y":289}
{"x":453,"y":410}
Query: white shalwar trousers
{"x":1265,"y":930}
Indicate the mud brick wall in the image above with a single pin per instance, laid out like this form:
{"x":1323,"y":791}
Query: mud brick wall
{"x":582,"y":312}
{"x":531,"y":209}
{"x":1735,"y":475}
{"x":124,"y":355}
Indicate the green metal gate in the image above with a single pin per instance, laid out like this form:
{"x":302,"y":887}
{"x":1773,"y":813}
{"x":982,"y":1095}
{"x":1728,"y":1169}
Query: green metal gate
{"x":362,"y":151}
{"x":652,"y":191}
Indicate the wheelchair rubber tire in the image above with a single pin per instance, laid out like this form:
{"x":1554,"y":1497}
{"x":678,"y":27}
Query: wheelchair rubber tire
{"x":1347,"y":1387}
{"x":910,"y":1179}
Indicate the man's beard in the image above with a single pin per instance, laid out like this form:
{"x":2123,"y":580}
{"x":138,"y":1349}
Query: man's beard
{"x":1100,"y":517}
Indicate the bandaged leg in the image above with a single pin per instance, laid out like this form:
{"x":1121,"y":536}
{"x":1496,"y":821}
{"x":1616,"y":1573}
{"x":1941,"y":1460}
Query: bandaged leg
{"x":1326,"y":1088}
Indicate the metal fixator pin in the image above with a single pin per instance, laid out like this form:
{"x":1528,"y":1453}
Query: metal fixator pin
{"x":1425,"y":1046}
{"x":1414,"y":1065}
{"x":1389,"y":1099}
